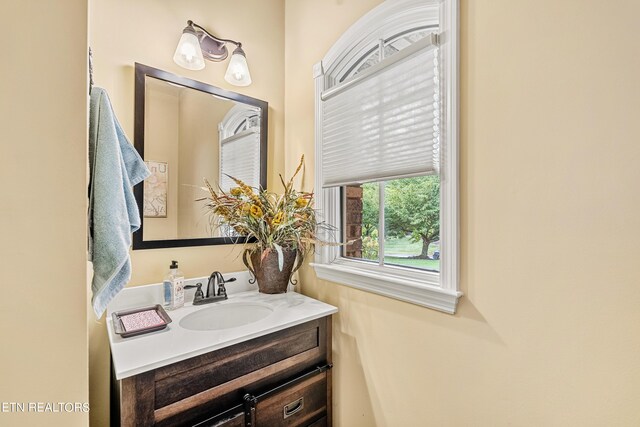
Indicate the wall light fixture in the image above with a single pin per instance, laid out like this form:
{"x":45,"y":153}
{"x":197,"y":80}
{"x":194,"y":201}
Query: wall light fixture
{"x":197,"y":44}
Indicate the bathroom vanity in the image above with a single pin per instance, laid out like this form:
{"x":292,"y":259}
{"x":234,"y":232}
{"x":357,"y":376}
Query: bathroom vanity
{"x":210,"y":367}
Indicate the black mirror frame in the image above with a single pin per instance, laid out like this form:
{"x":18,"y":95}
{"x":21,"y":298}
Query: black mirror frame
{"x":141,"y":72}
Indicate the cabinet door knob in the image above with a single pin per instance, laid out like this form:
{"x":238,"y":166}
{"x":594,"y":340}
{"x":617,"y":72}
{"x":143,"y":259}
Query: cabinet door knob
{"x":293,"y":407}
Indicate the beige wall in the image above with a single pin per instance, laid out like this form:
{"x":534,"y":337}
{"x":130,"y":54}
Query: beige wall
{"x":548,"y":331}
{"x":201,"y":114}
{"x":162,"y":131}
{"x":43,"y":117}
{"x":147,"y":31}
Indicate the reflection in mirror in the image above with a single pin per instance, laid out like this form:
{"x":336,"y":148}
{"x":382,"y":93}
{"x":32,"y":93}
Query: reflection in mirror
{"x":187,"y":131}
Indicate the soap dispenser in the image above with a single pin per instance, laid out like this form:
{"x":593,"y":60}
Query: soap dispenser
{"x":173,"y":287}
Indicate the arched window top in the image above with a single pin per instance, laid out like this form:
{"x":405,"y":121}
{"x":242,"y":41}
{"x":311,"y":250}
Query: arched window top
{"x":240,"y":118}
{"x":385,"y":30}
{"x":388,"y":47}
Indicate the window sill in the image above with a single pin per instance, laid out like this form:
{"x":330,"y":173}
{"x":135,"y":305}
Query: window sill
{"x":390,"y":285}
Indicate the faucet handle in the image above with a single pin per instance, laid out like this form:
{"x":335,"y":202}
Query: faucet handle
{"x":199,"y":294}
{"x":222,"y":291}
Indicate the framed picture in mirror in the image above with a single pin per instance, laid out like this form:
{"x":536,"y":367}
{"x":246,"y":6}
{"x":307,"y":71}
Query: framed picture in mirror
{"x":155,"y":190}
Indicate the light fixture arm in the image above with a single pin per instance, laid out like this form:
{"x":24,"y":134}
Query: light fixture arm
{"x":190,"y":23}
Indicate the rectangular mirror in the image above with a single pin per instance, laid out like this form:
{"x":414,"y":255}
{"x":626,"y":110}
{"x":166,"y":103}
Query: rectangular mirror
{"x":186,"y":131}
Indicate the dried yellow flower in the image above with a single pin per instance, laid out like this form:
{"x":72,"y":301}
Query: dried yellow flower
{"x":301,"y":202}
{"x":278,"y":219}
{"x":255,"y":211}
{"x":236,"y":191}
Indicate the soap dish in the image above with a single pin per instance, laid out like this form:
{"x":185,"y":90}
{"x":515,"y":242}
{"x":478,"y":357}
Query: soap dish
{"x":138,"y":321}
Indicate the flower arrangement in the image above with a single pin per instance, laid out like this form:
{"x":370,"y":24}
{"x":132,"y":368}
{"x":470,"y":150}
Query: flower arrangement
{"x":279,"y":223}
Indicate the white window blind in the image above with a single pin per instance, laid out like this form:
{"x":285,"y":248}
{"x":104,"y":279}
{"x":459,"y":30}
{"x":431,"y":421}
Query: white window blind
{"x":384,"y":123}
{"x":240,"y":158}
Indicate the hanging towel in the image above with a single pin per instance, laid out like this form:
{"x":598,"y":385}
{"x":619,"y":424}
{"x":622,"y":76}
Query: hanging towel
{"x":115,"y":167}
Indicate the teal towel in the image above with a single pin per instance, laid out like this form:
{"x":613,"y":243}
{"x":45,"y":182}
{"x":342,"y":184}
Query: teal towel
{"x":115,"y":167}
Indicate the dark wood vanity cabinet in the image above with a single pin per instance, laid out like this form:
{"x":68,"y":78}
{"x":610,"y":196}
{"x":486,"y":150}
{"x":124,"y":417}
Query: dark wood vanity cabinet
{"x":280,"y":379}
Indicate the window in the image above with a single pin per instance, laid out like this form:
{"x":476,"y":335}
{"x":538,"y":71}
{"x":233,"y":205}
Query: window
{"x":386,"y":153}
{"x":394,"y":222}
{"x":239,"y":134}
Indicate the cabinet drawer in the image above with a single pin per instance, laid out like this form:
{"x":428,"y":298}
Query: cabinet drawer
{"x":300,"y":404}
{"x":184,"y":379}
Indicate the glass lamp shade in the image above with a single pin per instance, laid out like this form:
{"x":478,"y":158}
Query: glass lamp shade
{"x":238,"y":71}
{"x":188,"y":53}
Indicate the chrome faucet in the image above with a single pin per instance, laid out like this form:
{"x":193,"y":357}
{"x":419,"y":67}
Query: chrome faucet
{"x":216,"y":282}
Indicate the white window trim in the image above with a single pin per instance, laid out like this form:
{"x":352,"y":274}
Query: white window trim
{"x":436,"y":291}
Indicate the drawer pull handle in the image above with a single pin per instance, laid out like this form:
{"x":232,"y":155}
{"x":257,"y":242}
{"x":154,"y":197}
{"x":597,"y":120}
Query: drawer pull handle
{"x":293,"y":407}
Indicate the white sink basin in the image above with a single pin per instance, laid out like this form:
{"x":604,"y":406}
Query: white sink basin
{"x":225,"y":316}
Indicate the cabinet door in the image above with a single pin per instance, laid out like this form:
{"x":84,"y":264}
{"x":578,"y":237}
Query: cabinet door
{"x":301,"y":404}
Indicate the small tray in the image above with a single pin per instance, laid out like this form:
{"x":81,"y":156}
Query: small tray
{"x":161,"y":316}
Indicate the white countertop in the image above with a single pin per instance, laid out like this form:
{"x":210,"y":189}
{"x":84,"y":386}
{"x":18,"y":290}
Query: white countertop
{"x":134,"y":355}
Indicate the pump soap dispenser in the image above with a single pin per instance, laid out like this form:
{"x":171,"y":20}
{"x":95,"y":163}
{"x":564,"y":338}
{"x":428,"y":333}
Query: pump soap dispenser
{"x":173,"y":286}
